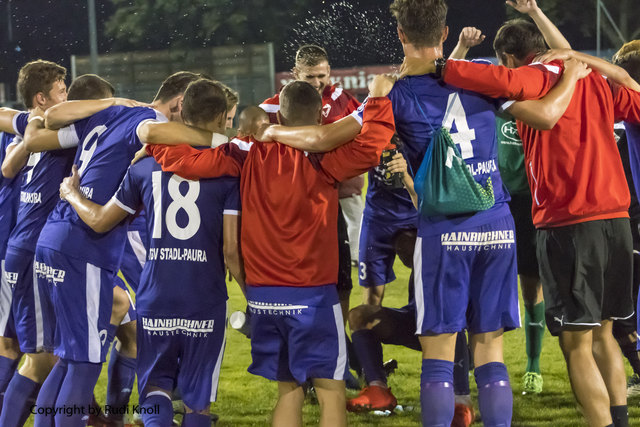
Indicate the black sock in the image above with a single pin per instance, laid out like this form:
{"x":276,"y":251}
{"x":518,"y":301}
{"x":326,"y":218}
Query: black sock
{"x":620,"y":416}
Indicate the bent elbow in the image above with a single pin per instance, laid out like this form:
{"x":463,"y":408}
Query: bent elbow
{"x":8,"y":171}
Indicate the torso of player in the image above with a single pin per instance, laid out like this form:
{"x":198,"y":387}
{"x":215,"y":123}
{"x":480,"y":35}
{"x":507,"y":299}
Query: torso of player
{"x":422,"y":104}
{"x":184,"y":225}
{"x":107,"y":143}
{"x":511,"y":155}
{"x":575,"y":170}
{"x":9,"y":196}
{"x":336,"y":104}
{"x":289,"y":219}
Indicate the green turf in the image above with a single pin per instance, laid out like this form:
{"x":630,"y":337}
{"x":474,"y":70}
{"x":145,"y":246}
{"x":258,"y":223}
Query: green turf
{"x":246,"y":400}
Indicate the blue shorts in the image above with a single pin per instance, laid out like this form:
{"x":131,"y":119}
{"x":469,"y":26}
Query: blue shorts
{"x":186,"y":353}
{"x":82,"y":298}
{"x":133,"y":259}
{"x":467,"y":280}
{"x":7,"y":326}
{"x":296,"y":333}
{"x":131,"y":313}
{"x":32,"y":308}
{"x":377,"y":253}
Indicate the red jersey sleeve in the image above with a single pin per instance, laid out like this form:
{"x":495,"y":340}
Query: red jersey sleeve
{"x":626,"y":103}
{"x":531,"y":81}
{"x":194,"y":164}
{"x":364,"y":151}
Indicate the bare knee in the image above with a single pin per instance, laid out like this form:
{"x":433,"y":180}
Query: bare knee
{"x":362,"y":317}
{"x":9,"y":348}
{"x":127,"y":340}
{"x":120,"y":305}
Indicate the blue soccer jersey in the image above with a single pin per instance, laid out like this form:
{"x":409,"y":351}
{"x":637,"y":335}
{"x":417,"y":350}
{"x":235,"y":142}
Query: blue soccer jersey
{"x":388,"y":204}
{"x":107,"y":141}
{"x":422,"y":104}
{"x":184,"y":274}
{"x":633,"y":141}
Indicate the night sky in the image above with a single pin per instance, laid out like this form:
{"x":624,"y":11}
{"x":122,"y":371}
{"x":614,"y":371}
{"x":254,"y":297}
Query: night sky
{"x":355,"y":32}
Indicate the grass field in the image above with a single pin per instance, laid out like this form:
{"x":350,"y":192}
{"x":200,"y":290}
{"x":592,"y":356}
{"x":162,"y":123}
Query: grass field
{"x":246,"y":400}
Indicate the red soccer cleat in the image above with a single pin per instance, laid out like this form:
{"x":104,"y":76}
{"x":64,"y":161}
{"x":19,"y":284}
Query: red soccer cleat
{"x":463,"y":416}
{"x":373,"y":398}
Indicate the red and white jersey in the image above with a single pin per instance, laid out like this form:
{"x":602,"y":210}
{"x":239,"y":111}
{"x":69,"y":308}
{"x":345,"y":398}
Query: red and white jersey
{"x":289,"y":197}
{"x":574,"y":170}
{"x":336,"y":104}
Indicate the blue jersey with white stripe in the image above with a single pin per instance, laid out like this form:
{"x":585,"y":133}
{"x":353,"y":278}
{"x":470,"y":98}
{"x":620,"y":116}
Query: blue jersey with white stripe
{"x":9,"y":195}
{"x":388,"y":204}
{"x":108,"y":141}
{"x":422,"y":104}
{"x":184,"y":273}
{"x":633,"y":141}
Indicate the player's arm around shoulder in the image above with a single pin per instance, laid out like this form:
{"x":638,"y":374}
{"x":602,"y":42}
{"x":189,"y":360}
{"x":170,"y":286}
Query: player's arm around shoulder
{"x":7,"y":116}
{"x":38,"y":138}
{"x":173,"y":133}
{"x":101,"y":218}
{"x":67,"y":112}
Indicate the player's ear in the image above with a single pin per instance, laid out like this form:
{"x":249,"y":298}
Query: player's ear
{"x":39,"y":99}
{"x":402,"y":36}
{"x":445,"y":34}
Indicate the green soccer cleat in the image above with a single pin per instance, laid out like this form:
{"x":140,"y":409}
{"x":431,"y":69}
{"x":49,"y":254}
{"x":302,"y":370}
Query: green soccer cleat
{"x":633,"y":385}
{"x":531,"y":383}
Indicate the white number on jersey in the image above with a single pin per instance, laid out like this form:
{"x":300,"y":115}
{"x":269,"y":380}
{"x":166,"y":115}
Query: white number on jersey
{"x":89,"y":146}
{"x":34,"y":158}
{"x":186,"y":202}
{"x":463,"y":136}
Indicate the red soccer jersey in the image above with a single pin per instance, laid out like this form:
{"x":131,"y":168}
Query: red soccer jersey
{"x":336,"y":104}
{"x":290,"y":200}
{"x":574,"y":170}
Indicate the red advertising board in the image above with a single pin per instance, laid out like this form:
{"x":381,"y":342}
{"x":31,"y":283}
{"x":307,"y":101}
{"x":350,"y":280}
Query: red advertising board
{"x":355,"y":80}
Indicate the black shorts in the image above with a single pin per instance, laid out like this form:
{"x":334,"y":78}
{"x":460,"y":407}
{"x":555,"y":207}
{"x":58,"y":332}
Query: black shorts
{"x":520,"y":206}
{"x":625,"y":327}
{"x":586,"y":273}
{"x":397,"y":326}
{"x":344,"y":258}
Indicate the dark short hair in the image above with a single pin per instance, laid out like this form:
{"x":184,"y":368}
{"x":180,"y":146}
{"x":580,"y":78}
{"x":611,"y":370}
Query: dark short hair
{"x":422,"y":21}
{"x":519,"y":38}
{"x":628,"y":57}
{"x":300,"y":103}
{"x":175,"y":85}
{"x":311,"y":55}
{"x":90,"y":86}
{"x":38,"y":76}
{"x":204,"y":100}
{"x":232,"y":96}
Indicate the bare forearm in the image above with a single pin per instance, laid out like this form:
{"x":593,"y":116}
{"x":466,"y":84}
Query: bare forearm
{"x":459,"y":52}
{"x":89,"y":212}
{"x":550,"y":32}
{"x":316,"y":139}
{"x":68,"y":112}
{"x":234,"y":263}
{"x":611,"y":71}
{"x":172,"y":133}
{"x":408,"y":184}
{"x":6,"y":119}
{"x":15,"y":160}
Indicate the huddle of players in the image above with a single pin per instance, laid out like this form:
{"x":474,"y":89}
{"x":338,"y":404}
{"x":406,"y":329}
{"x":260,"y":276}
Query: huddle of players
{"x":297,"y":334}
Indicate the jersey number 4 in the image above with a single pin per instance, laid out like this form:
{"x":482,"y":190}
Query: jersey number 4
{"x":463,"y":135}
{"x":179,"y":201}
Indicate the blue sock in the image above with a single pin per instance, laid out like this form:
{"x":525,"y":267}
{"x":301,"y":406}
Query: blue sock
{"x":19,"y":398}
{"x":436,"y":393}
{"x":461,"y":366}
{"x":49,"y":394}
{"x":76,"y":392}
{"x":7,"y":369}
{"x":157,"y":410}
{"x":196,"y":420}
{"x":495,"y":398}
{"x":368,"y":349}
{"x":122,"y":373}
{"x":111,"y":333}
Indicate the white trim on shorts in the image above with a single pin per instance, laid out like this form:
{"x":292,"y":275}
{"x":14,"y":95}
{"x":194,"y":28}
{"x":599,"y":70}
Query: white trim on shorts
{"x":157,"y":393}
{"x":94,"y":346}
{"x":5,"y":300}
{"x":215,"y":377}
{"x":341,"y":362}
{"x":37,"y":305}
{"x":418,"y":293}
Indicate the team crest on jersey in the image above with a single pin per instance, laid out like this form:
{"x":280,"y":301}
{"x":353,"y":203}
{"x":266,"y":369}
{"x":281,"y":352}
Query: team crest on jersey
{"x":510,"y":134}
{"x":326,"y":109}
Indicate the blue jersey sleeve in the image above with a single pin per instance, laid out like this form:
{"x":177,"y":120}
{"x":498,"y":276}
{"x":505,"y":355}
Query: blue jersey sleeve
{"x":232,"y":205}
{"x":20,"y":122}
{"x":128,"y":196}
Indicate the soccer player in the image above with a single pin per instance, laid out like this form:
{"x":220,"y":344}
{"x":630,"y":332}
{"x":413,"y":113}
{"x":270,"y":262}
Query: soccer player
{"x":312,"y":66}
{"x":290,"y":212}
{"x":182,"y":329}
{"x":584,"y":288}
{"x":80,"y":263}
{"x":628,"y":57}
{"x":41,"y":85}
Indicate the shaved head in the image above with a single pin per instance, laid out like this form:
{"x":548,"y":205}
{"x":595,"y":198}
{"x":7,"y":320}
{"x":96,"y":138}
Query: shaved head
{"x":251,"y":119}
